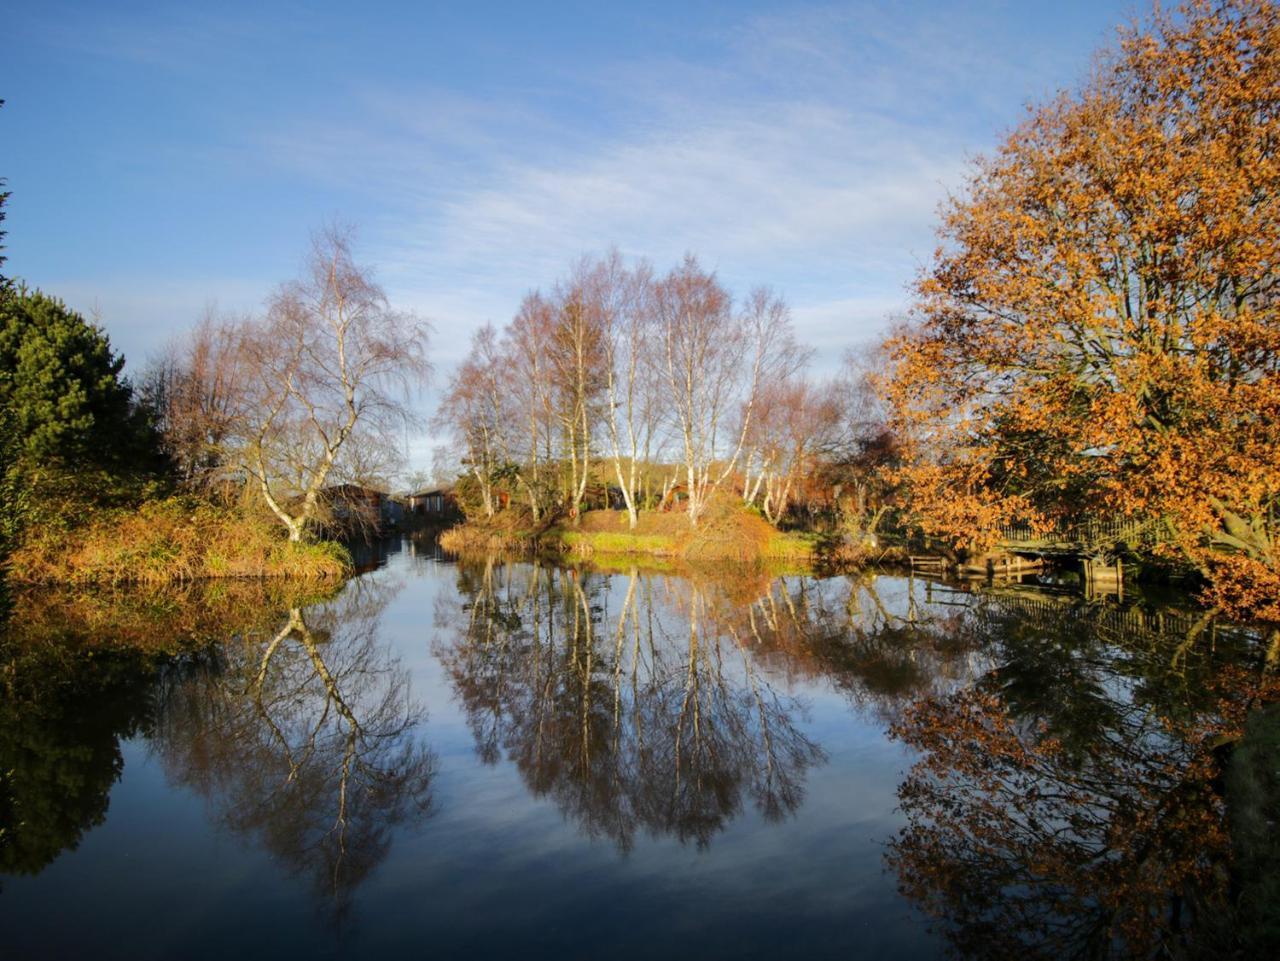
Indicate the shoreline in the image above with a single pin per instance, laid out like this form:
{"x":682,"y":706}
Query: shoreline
{"x":740,"y":537}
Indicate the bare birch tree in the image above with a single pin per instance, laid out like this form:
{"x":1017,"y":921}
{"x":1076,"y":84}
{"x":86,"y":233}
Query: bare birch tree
{"x":576,"y":354}
{"x":475,"y":410}
{"x":525,"y":350}
{"x":329,"y":370}
{"x":715,"y":362}
{"x":634,"y":408}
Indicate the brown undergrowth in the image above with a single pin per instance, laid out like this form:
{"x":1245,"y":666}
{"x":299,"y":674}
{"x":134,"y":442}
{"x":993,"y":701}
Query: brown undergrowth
{"x":726,"y":532}
{"x":167,"y":541}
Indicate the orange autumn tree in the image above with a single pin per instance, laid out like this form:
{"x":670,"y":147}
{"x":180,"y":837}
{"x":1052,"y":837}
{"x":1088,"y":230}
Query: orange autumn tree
{"x":1098,"y":332}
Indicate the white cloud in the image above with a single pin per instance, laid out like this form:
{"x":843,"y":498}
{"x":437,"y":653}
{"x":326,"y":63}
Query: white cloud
{"x":825,"y":205}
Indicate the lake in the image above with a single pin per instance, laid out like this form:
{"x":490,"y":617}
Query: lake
{"x":498,"y":759}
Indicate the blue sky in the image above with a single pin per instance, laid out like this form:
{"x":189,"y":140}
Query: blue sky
{"x":166,"y":156}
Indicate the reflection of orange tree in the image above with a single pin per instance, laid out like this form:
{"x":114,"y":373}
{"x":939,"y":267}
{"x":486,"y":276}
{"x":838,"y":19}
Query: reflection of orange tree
{"x":304,"y":738}
{"x":652,"y":717}
{"x":1067,"y":798}
{"x":1031,"y":839}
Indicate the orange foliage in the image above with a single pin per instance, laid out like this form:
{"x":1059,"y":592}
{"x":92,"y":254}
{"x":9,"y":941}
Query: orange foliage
{"x":1098,"y":332}
{"x":1030,"y":848}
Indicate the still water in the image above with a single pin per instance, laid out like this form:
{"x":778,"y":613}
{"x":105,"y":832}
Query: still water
{"x":498,"y":759}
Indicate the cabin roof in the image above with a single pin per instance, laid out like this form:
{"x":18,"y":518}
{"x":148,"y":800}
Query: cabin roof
{"x":353,"y":489}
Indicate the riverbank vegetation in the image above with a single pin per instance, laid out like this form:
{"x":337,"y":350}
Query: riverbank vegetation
{"x":171,"y":539}
{"x":727,"y":533}
{"x":628,"y":413}
{"x":214,"y":462}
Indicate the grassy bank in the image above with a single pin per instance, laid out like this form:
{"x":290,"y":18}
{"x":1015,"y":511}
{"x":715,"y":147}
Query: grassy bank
{"x":168,"y":541}
{"x":758,"y":573}
{"x":726,"y":533}
{"x":775,"y":547}
{"x":500,"y":535}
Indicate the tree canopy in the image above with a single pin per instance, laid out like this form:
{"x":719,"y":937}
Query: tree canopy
{"x":1098,"y":330}
{"x":61,"y":384}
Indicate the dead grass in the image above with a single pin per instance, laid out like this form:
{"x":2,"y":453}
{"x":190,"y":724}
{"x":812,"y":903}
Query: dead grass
{"x":861,"y":553}
{"x":501,"y":533}
{"x":172,"y":540}
{"x":668,"y":524}
{"x":727,"y":533}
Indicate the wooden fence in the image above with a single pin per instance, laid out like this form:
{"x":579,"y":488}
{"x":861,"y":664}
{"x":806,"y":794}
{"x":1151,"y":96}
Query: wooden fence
{"x":1088,"y":536}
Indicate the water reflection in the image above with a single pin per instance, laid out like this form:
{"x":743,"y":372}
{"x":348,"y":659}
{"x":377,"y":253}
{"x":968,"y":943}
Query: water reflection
{"x":299,"y":727}
{"x":649,"y":717}
{"x":77,"y":672}
{"x":1073,"y":789}
{"x":304,"y":739}
{"x":60,"y":752}
{"x":1069,"y":803}
{"x":880,"y":641}
{"x":1068,"y":798}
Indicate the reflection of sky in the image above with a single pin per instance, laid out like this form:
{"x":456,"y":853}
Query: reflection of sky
{"x":163,"y":156}
{"x":493,"y":872}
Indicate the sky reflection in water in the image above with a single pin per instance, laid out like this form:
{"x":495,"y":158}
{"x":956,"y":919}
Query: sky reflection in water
{"x":505,"y":759}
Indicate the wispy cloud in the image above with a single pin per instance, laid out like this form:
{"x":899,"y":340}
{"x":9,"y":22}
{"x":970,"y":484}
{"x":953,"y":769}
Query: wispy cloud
{"x":798,"y":196}
{"x":824,"y":187}
{"x":806,"y":148}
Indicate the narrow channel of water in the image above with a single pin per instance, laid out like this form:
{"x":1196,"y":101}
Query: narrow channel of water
{"x":501,"y":760}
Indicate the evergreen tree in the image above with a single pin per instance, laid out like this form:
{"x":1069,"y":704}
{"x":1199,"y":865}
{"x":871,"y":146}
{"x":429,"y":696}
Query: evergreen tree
{"x":70,"y":411}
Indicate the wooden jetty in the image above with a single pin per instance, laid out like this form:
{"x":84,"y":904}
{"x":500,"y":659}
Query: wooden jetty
{"x":1098,"y":545}
{"x":1001,"y":564}
{"x":1090,"y":537}
{"x":928,"y":564}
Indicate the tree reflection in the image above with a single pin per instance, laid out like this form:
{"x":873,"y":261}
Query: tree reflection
{"x":1069,"y":803}
{"x":60,"y":750}
{"x":880,"y":648}
{"x":1067,"y":799}
{"x":654,"y":717}
{"x":76,"y":675}
{"x":304,"y":739}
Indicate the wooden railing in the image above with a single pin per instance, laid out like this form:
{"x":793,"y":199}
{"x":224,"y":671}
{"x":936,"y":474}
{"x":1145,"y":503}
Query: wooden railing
{"x":1088,"y":535}
{"x":1130,"y":621}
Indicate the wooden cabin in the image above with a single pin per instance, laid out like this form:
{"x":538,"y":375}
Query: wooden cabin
{"x":431,"y":503}
{"x":351,"y":502}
